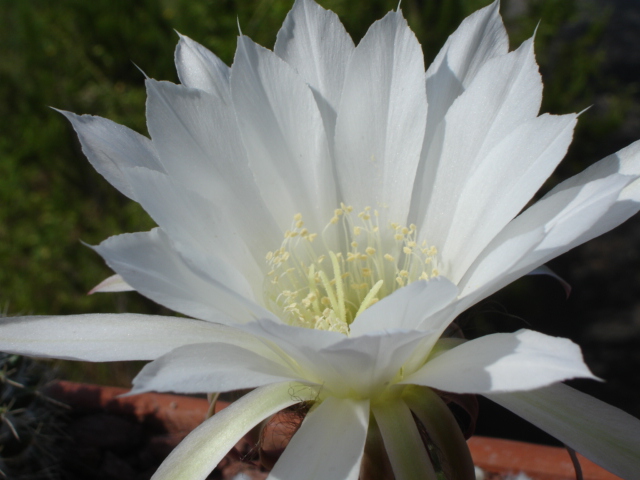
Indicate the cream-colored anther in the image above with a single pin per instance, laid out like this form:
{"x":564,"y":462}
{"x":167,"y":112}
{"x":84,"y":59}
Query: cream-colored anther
{"x":309,"y":291}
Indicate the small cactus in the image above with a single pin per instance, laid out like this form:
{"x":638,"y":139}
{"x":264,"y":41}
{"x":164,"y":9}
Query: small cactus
{"x":30,"y":423}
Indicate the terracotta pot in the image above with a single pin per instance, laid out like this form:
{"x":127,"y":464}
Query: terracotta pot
{"x":171,"y":417}
{"x":126,"y":438}
{"x":537,"y":461}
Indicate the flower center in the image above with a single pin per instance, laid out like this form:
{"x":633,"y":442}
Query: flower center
{"x":313,"y":285}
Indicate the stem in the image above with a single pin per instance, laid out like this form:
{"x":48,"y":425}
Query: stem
{"x":212,"y":399}
{"x":575,"y":461}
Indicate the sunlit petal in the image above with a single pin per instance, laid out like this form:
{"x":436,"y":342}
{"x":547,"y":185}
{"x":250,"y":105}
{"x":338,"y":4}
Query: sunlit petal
{"x":335,"y":432}
{"x":104,"y":337}
{"x":213,"y":367}
{"x":155,"y":268}
{"x":407,"y":308}
{"x":503,"y":362}
{"x":381,"y":119}
{"x":200,"y":68}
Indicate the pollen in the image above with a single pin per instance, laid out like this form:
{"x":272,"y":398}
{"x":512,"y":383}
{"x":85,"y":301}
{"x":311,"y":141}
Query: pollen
{"x":311,"y":285}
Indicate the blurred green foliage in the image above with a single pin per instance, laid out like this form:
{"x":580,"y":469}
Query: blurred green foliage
{"x":79,"y":55}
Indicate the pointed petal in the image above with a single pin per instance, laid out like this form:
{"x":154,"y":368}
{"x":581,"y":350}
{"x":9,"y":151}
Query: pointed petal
{"x":502,"y":185}
{"x":315,"y":43}
{"x":490,"y":267}
{"x":506,"y":93}
{"x":198,"y":454}
{"x":381,"y":119}
{"x":479,"y":38}
{"x":407,"y":308}
{"x":402,"y":441}
{"x":213,"y":367}
{"x":152,"y":265}
{"x":329,"y":443}
{"x":283,"y":135}
{"x":503,"y":362}
{"x":199,"y":68}
{"x":106,"y":337}
{"x":115,"y":283}
{"x":199,"y":226}
{"x":111,"y":148}
{"x":602,"y":433}
{"x":198,"y":141}
{"x":577,"y":210}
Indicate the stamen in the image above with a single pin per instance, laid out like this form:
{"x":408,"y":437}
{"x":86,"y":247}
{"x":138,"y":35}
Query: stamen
{"x":368,"y":300}
{"x":340,"y":290}
{"x":308,"y":292}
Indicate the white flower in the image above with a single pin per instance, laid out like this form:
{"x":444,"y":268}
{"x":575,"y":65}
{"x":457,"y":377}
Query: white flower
{"x":344,"y":190}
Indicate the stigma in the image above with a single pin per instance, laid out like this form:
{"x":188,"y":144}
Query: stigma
{"x":312,"y":285}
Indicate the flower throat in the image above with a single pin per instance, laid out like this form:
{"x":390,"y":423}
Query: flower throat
{"x":312,"y":286}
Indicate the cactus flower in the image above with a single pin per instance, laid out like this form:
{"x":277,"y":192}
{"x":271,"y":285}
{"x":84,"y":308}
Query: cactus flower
{"x":324,"y":212}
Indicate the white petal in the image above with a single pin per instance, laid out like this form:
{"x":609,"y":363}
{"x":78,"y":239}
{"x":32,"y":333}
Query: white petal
{"x":367,"y":363}
{"x":199,"y":453}
{"x":213,"y":367}
{"x":505,"y":93}
{"x":502,"y":185}
{"x":283,"y":135}
{"x":151,"y":264}
{"x":489,"y":270}
{"x":503,"y":362}
{"x":115,"y":283}
{"x":602,"y":433}
{"x":329,"y":443}
{"x":434,"y":325}
{"x":407,"y":308}
{"x":479,"y":38}
{"x":577,"y":210}
{"x":342,"y":365}
{"x":198,"y":141}
{"x":111,"y":148}
{"x":199,"y":68}
{"x":106,"y":337}
{"x":402,"y":441}
{"x":381,"y":119}
{"x":199,"y":226}
{"x":313,"y":41}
